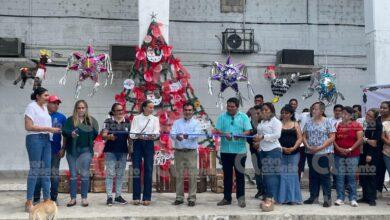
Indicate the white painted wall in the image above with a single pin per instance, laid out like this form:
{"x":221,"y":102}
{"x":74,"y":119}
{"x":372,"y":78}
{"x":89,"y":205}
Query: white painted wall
{"x":378,"y":39}
{"x":330,"y":27}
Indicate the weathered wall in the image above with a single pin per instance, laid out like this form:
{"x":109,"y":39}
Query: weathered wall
{"x":334,"y":29}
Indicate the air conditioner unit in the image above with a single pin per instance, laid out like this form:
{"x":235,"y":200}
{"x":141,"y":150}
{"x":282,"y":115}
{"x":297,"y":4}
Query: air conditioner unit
{"x":301,"y":62}
{"x":11,"y":47}
{"x":296,"y":57}
{"x":124,"y":53}
{"x":238,"y":41}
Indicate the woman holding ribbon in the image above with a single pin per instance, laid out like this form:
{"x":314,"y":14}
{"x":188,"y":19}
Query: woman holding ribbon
{"x":145,"y":128}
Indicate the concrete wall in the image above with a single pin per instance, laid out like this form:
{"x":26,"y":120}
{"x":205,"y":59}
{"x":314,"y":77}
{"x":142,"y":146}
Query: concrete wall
{"x":334,"y":29}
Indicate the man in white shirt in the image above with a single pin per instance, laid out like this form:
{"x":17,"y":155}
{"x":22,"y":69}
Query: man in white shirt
{"x":184,"y":133}
{"x":337,"y":113}
{"x":358,"y":114}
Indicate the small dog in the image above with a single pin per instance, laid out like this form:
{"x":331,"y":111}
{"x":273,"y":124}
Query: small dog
{"x":43,"y":211}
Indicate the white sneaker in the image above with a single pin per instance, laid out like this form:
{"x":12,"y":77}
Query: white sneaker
{"x":354,"y":203}
{"x":339,"y":202}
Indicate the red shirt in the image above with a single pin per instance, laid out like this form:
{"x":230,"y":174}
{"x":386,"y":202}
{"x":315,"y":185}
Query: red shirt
{"x":346,"y":137}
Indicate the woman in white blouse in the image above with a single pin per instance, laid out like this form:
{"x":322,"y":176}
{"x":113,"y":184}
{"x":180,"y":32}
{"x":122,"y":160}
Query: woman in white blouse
{"x":267,"y":139}
{"x":145,"y":128}
{"x":38,"y":125}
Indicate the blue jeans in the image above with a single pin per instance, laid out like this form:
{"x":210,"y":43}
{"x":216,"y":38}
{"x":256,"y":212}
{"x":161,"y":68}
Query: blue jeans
{"x":55,"y":170}
{"x":346,"y":167}
{"x":143,"y":149}
{"x":319,"y":175}
{"x":256,"y":161}
{"x":271,"y":161}
{"x":386,"y":159}
{"x":39,"y":155}
{"x":115,"y":166}
{"x":81,"y":164}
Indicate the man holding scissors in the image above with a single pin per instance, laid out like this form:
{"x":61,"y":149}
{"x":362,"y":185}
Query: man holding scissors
{"x":186,"y":153}
{"x":233,"y":126}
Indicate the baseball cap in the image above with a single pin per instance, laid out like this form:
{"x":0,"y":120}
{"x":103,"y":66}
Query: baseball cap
{"x":54,"y":98}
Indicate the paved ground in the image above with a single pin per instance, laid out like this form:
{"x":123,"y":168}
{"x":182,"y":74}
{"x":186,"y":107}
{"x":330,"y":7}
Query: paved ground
{"x":12,"y":205}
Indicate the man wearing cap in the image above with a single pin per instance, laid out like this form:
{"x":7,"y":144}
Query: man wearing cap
{"x":57,"y":149}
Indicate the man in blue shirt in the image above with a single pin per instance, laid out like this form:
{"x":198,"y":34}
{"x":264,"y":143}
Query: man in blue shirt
{"x":186,"y":153}
{"x":57,"y":151}
{"x":231,"y":125}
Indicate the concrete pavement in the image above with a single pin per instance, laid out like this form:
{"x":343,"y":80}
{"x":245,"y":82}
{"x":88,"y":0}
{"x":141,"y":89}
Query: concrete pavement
{"x":12,"y":206}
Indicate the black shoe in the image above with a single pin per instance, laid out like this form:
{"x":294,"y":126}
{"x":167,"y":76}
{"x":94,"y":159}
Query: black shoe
{"x":258,"y":194}
{"x":178,"y":202}
{"x":224,"y":202}
{"x":362,"y":200}
{"x":109,"y":201}
{"x":70,"y":204}
{"x":191,"y":203}
{"x":36,"y":201}
{"x":372,"y":203}
{"x":327,"y":204}
{"x":120,"y":200}
{"x":242,"y":203}
{"x":310,"y":201}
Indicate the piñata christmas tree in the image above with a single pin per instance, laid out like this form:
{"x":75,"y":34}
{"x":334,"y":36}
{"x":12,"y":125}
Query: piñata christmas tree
{"x":160,"y":77}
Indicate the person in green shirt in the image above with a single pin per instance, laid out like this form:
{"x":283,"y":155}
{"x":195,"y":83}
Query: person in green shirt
{"x":80,"y":131}
{"x":231,"y":125}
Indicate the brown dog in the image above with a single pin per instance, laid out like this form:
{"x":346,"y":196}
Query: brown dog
{"x":43,"y":211}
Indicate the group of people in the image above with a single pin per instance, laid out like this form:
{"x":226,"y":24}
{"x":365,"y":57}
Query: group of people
{"x":279,"y":147}
{"x":50,"y":135}
{"x":351,"y":149}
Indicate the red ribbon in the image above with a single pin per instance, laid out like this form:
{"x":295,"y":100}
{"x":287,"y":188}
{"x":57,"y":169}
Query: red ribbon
{"x":139,"y":95}
{"x":167,"y":51}
{"x":149,"y":86}
{"x":178,"y":67}
{"x":121,"y":98}
{"x":140,"y":56}
{"x":148,"y":75}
